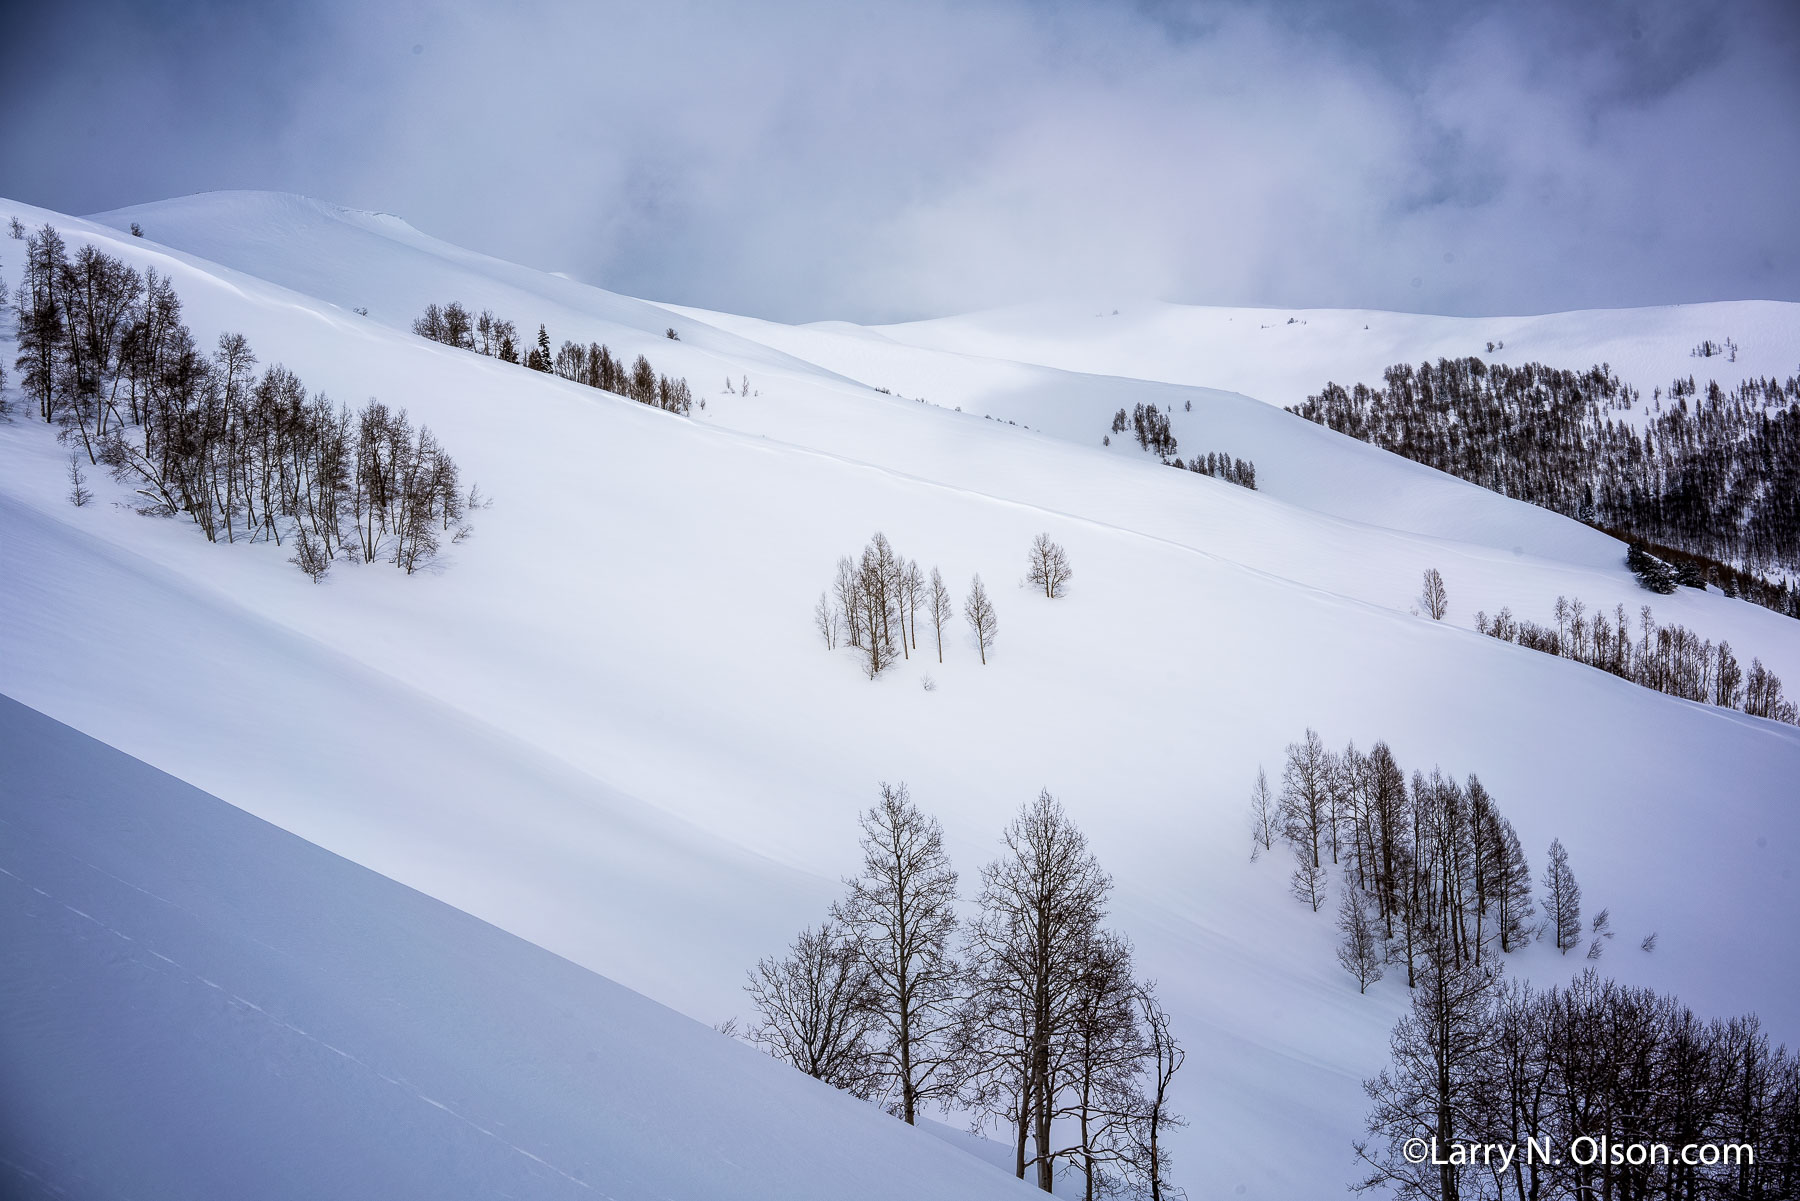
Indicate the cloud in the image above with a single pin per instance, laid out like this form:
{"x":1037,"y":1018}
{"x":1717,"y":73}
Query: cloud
{"x":883,"y":161}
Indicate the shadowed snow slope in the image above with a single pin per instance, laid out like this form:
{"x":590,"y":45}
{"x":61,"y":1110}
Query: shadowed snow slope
{"x":606,"y":724}
{"x":197,"y":1004}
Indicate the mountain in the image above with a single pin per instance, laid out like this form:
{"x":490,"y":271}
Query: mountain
{"x":606,"y":725}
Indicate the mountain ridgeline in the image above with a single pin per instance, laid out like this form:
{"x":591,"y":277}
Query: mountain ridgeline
{"x":1707,"y":473}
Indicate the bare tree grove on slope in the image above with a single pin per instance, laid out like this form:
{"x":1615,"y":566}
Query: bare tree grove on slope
{"x":1037,"y":1024}
{"x":106,"y":357}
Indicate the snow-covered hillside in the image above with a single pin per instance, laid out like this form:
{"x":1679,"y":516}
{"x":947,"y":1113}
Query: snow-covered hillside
{"x":607,"y":725}
{"x":1282,"y":355}
{"x":197,"y":1004}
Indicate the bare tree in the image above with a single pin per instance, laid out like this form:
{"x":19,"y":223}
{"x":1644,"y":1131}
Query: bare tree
{"x":815,"y":1011}
{"x":912,"y":598}
{"x":1307,"y":885}
{"x":1562,"y":899}
{"x":78,"y":492}
{"x":1512,"y":890}
{"x":1049,"y":566}
{"x":901,"y":912}
{"x":1435,"y":1085}
{"x":1360,"y":950}
{"x":1041,"y":905}
{"x":980,"y":614}
{"x":847,"y":591}
{"x":876,"y":578}
{"x":309,"y":555}
{"x":940,"y":609}
{"x":825,"y":620}
{"x":1305,"y":797}
{"x":1436,"y":602}
{"x":1105,"y":1061}
{"x":1264,"y":821}
{"x":1163,"y":1057}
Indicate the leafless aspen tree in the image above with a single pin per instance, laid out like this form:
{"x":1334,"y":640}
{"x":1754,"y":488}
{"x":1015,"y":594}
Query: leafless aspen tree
{"x":814,"y":1009}
{"x":1264,"y":820}
{"x":1435,"y":600}
{"x":912,"y":593}
{"x":78,"y":491}
{"x":940,"y":608}
{"x":1163,"y":1057}
{"x":1305,"y":797}
{"x":1308,"y":885}
{"x":980,"y":614}
{"x":1049,"y":566}
{"x":1041,"y":905}
{"x":901,"y":913}
{"x":1562,"y":899}
{"x":1360,"y":950}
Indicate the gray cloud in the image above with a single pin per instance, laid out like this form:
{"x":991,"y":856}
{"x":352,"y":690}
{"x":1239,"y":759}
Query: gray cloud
{"x":882,"y":161}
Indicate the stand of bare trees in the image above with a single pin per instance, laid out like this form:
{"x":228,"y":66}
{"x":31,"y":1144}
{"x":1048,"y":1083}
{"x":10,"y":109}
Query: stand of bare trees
{"x":1417,"y":861}
{"x":104,"y":354}
{"x":1566,"y":1076}
{"x":874,"y":602}
{"x":1669,"y":659}
{"x":1036,"y":1023}
{"x":593,"y":364}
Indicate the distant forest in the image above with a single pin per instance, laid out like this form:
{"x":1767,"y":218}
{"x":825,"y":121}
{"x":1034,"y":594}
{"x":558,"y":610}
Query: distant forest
{"x":1710,"y":474}
{"x":593,"y":364}
{"x":105,"y":356}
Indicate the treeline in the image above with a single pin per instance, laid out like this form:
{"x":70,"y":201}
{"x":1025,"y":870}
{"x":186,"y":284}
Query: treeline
{"x":1603,"y":1090}
{"x":1670,"y":659}
{"x":1713,"y":474}
{"x":874,"y":602}
{"x":1030,"y":1014}
{"x":104,"y":354}
{"x":1241,"y":472}
{"x":593,"y":364}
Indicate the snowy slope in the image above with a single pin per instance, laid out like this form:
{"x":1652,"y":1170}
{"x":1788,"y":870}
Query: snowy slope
{"x":197,"y":1004}
{"x":607,"y":726}
{"x":1283,"y":355}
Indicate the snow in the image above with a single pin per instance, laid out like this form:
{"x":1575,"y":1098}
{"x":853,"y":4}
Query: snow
{"x":195,"y":1003}
{"x":606,"y":725}
{"x":1283,"y":355}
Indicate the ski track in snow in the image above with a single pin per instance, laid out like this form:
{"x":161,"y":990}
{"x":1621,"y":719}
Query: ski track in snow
{"x":272,"y":1020}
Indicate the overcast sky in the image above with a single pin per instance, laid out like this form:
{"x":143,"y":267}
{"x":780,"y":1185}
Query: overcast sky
{"x":877,"y":161}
